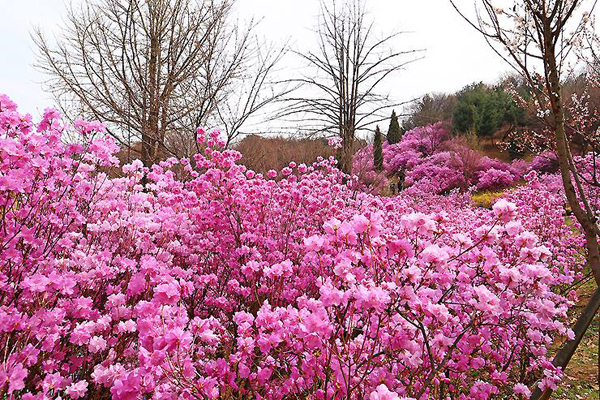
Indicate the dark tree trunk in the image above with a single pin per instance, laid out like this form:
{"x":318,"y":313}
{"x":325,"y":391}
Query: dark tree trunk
{"x":347,"y":152}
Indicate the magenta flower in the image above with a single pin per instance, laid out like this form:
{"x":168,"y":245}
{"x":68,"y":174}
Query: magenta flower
{"x":77,"y":390}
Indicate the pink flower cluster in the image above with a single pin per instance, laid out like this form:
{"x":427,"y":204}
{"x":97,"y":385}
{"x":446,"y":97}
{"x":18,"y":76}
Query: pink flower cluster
{"x":545,"y":162}
{"x":434,"y":162}
{"x":541,"y":203}
{"x":210,"y":280}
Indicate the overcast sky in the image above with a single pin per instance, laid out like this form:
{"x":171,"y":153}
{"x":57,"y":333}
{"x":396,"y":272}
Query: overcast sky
{"x":455,"y":54}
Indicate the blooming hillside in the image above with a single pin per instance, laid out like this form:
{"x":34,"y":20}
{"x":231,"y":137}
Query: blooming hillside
{"x":432,"y":161}
{"x":201,"y":279}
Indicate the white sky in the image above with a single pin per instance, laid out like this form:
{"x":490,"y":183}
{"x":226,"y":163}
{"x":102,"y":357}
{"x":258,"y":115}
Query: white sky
{"x":455,"y":54}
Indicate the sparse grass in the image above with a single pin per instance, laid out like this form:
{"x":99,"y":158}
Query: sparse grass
{"x":581,"y":375}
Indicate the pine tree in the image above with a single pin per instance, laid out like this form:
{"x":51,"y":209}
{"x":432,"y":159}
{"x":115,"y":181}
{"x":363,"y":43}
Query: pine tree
{"x":394,"y":132}
{"x":378,"y":150}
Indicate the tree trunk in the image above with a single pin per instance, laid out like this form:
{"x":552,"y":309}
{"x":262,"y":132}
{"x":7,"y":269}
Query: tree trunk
{"x":346,"y":152}
{"x":562,"y":147}
{"x":147,"y":150}
{"x":150,"y":137}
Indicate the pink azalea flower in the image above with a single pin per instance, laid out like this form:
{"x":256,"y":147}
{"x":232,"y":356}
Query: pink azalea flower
{"x":77,"y":390}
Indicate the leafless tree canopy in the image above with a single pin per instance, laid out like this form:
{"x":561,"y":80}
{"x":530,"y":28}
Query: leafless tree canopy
{"x":344,"y":88}
{"x":155,"y":70}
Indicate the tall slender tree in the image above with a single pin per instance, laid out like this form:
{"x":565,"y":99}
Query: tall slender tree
{"x":347,"y":72}
{"x":394,"y":134}
{"x":378,"y":150}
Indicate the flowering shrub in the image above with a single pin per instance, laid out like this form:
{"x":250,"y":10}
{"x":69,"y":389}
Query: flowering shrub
{"x":541,"y":203}
{"x":433,"y":162}
{"x":416,"y":144}
{"x":435,"y":174}
{"x":545,"y":162}
{"x":366,"y":177}
{"x":494,"y":178}
{"x":212,"y":280}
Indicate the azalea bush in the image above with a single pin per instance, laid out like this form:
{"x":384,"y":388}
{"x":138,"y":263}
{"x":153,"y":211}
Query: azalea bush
{"x":542,"y":205}
{"x":545,"y":162}
{"x":432,"y":161}
{"x":198,"y":278}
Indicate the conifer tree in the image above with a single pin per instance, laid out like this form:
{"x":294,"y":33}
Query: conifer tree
{"x":394,"y":131}
{"x":378,"y":150}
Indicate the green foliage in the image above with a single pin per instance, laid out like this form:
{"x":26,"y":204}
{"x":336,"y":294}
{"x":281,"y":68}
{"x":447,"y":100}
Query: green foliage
{"x":466,"y":118}
{"x":394,"y":134}
{"x":377,"y":150}
{"x":482,"y":110}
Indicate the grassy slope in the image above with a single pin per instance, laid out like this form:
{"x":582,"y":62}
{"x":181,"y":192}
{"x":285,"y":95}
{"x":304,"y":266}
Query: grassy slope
{"x":581,"y":375}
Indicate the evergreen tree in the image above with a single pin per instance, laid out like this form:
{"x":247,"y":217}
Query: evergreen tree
{"x":394,"y":134}
{"x":378,"y":150}
{"x":483,"y":110}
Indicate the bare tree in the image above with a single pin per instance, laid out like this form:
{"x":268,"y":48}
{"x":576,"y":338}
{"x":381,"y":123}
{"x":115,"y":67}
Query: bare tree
{"x":342,"y":92}
{"x":429,"y":109}
{"x":254,"y":90}
{"x":153,"y":70}
{"x":542,"y":34}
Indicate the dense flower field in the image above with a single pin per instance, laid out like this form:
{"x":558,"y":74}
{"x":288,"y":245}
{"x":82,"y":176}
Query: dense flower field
{"x":201,"y":279}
